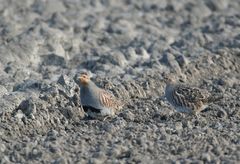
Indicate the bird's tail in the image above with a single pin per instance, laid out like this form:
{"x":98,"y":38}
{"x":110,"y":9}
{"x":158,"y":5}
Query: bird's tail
{"x":215,"y":97}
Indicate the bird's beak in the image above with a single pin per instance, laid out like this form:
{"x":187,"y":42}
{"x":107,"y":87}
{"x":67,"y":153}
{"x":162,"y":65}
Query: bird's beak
{"x":83,"y":81}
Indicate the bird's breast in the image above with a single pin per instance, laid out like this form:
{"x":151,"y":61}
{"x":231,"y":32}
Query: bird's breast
{"x":89,"y":98}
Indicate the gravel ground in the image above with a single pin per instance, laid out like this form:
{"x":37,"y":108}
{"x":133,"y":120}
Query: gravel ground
{"x":126,"y":45}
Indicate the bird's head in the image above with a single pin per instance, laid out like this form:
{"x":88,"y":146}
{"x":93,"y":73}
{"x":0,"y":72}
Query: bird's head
{"x":168,"y":78}
{"x":84,"y":79}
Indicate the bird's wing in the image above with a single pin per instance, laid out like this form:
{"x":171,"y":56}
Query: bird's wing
{"x":108,"y":100}
{"x":191,"y":94}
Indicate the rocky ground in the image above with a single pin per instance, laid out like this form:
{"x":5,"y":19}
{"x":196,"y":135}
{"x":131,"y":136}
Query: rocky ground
{"x":127,"y":45}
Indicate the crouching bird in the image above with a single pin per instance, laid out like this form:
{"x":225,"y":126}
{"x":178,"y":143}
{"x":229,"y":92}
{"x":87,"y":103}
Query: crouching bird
{"x":187,"y":99}
{"x":97,"y":102}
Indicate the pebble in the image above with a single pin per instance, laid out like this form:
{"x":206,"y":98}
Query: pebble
{"x":19,"y":115}
{"x":117,"y":58}
{"x":127,"y":115}
{"x":53,"y":59}
{"x":3,"y":90}
{"x":52,"y":135}
{"x":2,"y":147}
{"x":131,"y":54}
{"x":28,"y":107}
{"x":182,"y":61}
{"x":206,"y":157}
{"x":64,"y":80}
{"x":178,"y":126}
{"x":217,"y":4}
{"x":170,"y":60}
{"x":144,"y":54}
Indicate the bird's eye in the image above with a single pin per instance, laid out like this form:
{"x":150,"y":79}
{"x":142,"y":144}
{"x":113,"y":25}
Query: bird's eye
{"x":85,"y":76}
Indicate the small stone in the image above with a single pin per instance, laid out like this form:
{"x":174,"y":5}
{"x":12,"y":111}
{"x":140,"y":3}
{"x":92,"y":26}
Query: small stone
{"x":53,"y":59}
{"x":59,"y":161}
{"x":64,"y":80}
{"x":53,"y":91}
{"x":100,"y":156}
{"x":54,"y":6}
{"x":200,"y":10}
{"x":31,"y":116}
{"x":67,"y":87}
{"x":127,"y":115}
{"x":2,"y":147}
{"x":206,"y":157}
{"x":217,"y":4}
{"x":169,"y":59}
{"x":189,"y":125}
{"x":144,"y":54}
{"x":178,"y":126}
{"x":52,"y":135}
{"x":131,"y":54}
{"x":28,"y":84}
{"x":76,"y":100}
{"x":95,"y":160}
{"x":54,"y":149}
{"x":182,"y":61}
{"x":221,"y":82}
{"x":59,"y":21}
{"x":28,"y":107}
{"x":3,"y":90}
{"x":19,"y":115}
{"x":35,"y":153}
{"x":117,"y":58}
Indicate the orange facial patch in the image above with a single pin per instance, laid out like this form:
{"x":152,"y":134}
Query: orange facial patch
{"x":84,"y":79}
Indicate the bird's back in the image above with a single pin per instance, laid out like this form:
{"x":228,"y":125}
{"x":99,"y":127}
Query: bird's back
{"x":185,"y":98}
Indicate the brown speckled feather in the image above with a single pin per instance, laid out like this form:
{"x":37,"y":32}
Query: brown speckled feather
{"x":190,"y":94}
{"x":186,"y":98}
{"x":108,"y":100}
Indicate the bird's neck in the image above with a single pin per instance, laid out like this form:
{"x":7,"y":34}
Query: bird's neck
{"x":89,"y":85}
{"x":169,"y":87}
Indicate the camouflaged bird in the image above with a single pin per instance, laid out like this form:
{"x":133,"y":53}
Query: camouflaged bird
{"x":187,"y":99}
{"x":96,"y":102}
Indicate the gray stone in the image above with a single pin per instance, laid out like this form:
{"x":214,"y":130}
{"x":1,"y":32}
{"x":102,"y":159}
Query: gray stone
{"x":182,"y":61}
{"x":28,"y":84}
{"x":3,"y":90}
{"x":64,"y":80}
{"x":217,"y":4}
{"x":127,"y":115}
{"x":169,"y":59}
{"x":53,"y":59}
{"x":28,"y":107}
{"x":2,"y":147}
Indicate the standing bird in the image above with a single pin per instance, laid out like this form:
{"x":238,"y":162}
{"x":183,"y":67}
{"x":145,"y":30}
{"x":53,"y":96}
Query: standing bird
{"x":96,"y":102}
{"x":187,"y":99}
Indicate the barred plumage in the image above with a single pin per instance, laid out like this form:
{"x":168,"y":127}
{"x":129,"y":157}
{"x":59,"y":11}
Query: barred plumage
{"x":185,"y":98}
